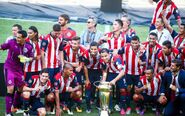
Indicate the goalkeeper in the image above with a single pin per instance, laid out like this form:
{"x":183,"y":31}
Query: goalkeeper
{"x":13,"y":68}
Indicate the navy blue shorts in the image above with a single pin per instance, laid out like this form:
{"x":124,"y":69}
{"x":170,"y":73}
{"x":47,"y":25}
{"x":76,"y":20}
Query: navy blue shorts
{"x":52,"y":73}
{"x":79,"y":77}
{"x":36,"y":103}
{"x":132,"y":79}
{"x":28,"y":75}
{"x":120,"y":83}
{"x":150,"y":99}
{"x":94,"y":75}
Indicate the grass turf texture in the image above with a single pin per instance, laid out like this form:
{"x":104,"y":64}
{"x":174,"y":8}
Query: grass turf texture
{"x":93,"y":113}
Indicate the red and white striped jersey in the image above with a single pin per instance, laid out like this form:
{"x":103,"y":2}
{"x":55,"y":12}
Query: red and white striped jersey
{"x":132,"y":59}
{"x":170,"y":9}
{"x":153,"y":86}
{"x":34,"y":82}
{"x":92,"y":62}
{"x":67,"y":33}
{"x":179,"y":41}
{"x":166,"y":60}
{"x":35,"y":65}
{"x":151,"y":53}
{"x":128,"y":34}
{"x":115,"y":43}
{"x":61,"y":83}
{"x":50,"y":46}
{"x":182,"y":57}
{"x":70,"y":56}
{"x":115,"y":64}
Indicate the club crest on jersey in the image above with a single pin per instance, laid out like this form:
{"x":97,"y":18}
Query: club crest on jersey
{"x":43,"y":43}
{"x":10,"y":82}
{"x":25,"y":50}
{"x":68,"y":34}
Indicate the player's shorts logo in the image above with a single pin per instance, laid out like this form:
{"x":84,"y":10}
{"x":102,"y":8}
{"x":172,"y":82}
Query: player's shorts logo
{"x":55,"y":83}
{"x":30,"y":81}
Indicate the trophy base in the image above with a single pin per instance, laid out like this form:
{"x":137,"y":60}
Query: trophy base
{"x":104,"y":113}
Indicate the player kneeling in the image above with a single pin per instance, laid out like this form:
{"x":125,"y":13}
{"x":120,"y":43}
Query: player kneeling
{"x":147,"y":91}
{"x":66,"y":89}
{"x":32,"y":100}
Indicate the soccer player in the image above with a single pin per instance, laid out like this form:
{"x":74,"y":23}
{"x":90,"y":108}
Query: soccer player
{"x":152,"y":49}
{"x":169,"y":7}
{"x":13,"y":68}
{"x":31,"y":100}
{"x":50,"y":51}
{"x":15,"y":29}
{"x":34,"y":67}
{"x":165,"y":56}
{"x":172,"y":91}
{"x":64,"y":88}
{"x":73,"y":55}
{"x":162,"y":33}
{"x":91,"y":33}
{"x":179,"y":38}
{"x":135,"y":61}
{"x":127,"y":31}
{"x":113,"y":72}
{"x":115,"y":39}
{"x":92,"y":71}
{"x":147,"y":90}
{"x":67,"y":33}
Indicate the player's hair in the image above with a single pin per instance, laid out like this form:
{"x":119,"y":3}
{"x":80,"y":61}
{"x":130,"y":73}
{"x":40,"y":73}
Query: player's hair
{"x":167,"y":43}
{"x":44,"y":70}
{"x":18,"y":26}
{"x":56,"y":27}
{"x":66,"y":17}
{"x":35,"y":30}
{"x":104,"y":50}
{"x":150,"y":68}
{"x":94,"y":44}
{"x":128,"y":19}
{"x":94,"y":20}
{"x":67,"y":65}
{"x":135,"y":38}
{"x":23,"y":33}
{"x":75,"y":38}
{"x":178,"y":62}
{"x":119,"y":22}
{"x":153,"y":34}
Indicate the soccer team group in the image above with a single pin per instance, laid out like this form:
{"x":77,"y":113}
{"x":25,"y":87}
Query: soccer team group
{"x":63,"y":67}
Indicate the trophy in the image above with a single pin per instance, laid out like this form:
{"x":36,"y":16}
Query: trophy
{"x":104,"y":95}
